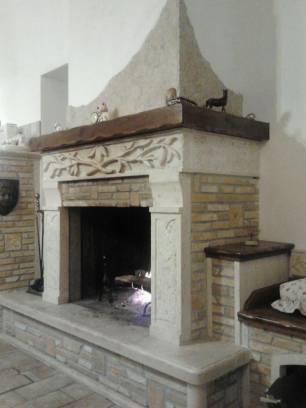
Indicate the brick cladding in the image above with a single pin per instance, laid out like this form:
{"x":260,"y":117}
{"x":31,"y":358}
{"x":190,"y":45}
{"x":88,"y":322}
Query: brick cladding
{"x":17,"y":229}
{"x":225,"y":209}
{"x":223,"y":301}
{"x":117,"y":192}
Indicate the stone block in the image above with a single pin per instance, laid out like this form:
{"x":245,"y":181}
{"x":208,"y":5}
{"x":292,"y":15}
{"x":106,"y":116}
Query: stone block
{"x":13,"y":242}
{"x":11,"y":382}
{"x":156,"y":395}
{"x":43,"y":387}
{"x":40,"y":373}
{"x":54,"y":399}
{"x":76,"y":391}
{"x":10,"y":400}
{"x":72,"y":345}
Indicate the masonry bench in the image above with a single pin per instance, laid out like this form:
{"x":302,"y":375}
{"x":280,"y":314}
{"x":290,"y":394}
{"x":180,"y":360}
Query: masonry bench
{"x":123,"y":361}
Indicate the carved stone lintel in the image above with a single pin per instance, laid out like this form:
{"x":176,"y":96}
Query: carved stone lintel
{"x":113,"y":159}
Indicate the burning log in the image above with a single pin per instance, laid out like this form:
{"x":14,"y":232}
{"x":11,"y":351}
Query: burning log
{"x":141,"y":279}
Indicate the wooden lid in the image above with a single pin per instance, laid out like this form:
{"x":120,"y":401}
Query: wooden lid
{"x":242,"y":252}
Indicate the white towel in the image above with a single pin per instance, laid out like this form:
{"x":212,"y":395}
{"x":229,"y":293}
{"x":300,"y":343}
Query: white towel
{"x":292,"y":297}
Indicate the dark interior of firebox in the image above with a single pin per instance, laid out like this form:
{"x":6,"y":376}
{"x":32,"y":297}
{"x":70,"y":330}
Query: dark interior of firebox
{"x":111,"y":273}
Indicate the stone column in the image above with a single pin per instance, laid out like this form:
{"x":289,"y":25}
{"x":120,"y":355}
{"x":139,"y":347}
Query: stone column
{"x":170,"y":253}
{"x":56,"y":250}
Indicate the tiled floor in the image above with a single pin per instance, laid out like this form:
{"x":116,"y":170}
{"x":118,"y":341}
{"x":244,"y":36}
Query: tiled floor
{"x":26,"y":382}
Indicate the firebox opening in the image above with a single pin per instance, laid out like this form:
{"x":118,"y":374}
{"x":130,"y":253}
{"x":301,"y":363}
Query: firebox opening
{"x":112,"y":272}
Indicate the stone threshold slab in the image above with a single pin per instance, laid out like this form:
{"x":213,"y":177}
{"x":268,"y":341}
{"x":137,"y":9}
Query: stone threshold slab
{"x":194,"y":364}
{"x":181,"y":115}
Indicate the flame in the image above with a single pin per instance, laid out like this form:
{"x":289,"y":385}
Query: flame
{"x":140,"y":297}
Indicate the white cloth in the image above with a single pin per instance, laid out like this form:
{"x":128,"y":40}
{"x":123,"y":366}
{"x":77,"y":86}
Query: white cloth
{"x":292,"y":297}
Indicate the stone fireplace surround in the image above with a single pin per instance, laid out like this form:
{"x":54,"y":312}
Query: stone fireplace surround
{"x":201,"y":188}
{"x":169,"y":160}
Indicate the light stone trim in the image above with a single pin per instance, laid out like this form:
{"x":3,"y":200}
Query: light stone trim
{"x":170,"y":258}
{"x":139,"y":156}
{"x":212,"y":153}
{"x":56,"y":257}
{"x":168,"y":159}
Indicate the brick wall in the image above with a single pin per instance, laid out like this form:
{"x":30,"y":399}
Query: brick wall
{"x":223,"y":301}
{"x":226,"y":392}
{"x":117,"y":192}
{"x":224,"y":209}
{"x":17,"y":229}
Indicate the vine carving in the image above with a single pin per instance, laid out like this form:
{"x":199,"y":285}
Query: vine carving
{"x":151,"y":153}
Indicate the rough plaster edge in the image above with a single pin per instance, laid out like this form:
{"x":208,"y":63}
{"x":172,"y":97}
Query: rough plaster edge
{"x":170,"y":66}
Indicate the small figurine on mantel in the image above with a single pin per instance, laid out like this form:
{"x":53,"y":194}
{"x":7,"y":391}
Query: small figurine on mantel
{"x":171,"y":95}
{"x":101,"y":114}
{"x":253,"y":241}
{"x":17,"y":142}
{"x":173,"y":99}
{"x":251,"y":116}
{"x":58,"y":127}
{"x":218,"y":102}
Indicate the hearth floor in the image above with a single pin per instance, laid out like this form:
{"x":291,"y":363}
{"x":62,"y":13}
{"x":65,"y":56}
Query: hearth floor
{"x":26,"y":382}
{"x":128,"y":306}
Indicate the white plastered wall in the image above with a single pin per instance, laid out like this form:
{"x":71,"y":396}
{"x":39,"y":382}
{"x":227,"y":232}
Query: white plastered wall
{"x":97,"y":38}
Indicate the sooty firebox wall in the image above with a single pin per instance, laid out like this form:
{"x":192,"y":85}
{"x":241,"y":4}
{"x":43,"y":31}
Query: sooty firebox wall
{"x":106,"y":243}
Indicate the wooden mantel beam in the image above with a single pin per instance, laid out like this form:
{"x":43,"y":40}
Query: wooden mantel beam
{"x":182,"y":115}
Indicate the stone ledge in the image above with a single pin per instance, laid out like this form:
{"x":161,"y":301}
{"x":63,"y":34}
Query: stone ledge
{"x":194,"y":364}
{"x":15,"y":153}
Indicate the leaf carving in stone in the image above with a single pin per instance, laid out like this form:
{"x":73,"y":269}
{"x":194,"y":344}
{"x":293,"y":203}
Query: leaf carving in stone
{"x":100,"y":159}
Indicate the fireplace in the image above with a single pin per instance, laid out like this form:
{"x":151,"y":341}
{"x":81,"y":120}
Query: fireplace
{"x":110,"y":261}
{"x":163,"y":162}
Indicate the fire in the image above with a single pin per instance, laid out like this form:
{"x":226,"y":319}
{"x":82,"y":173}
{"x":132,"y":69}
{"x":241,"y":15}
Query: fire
{"x":140,"y":297}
